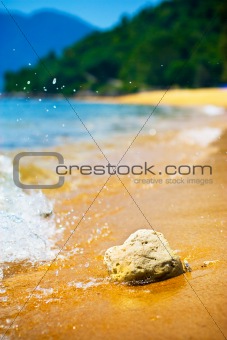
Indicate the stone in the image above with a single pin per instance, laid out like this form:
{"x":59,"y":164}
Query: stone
{"x":144,"y":257}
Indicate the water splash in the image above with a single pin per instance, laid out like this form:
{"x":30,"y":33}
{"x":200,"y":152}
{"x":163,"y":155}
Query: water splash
{"x":27,"y":226}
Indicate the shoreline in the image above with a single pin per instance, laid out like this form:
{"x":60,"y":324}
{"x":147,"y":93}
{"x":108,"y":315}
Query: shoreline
{"x":173,"y":97}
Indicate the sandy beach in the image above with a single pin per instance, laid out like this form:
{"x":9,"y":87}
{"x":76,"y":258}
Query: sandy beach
{"x":176,"y":97}
{"x":73,"y":297}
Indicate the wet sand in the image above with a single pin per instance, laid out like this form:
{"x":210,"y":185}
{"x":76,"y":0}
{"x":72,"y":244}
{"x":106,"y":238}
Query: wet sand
{"x":76,"y":300}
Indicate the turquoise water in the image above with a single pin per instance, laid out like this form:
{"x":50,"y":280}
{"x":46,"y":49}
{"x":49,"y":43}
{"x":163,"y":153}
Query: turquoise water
{"x":32,"y":123}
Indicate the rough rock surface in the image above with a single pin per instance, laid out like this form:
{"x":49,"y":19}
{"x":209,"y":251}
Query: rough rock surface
{"x":143,"y":258}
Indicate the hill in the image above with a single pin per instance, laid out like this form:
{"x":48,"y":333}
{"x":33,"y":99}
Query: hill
{"x":154,"y":49}
{"x":46,"y":30}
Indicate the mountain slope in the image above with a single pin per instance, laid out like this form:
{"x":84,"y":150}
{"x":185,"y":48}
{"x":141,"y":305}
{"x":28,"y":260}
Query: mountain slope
{"x":46,"y":31}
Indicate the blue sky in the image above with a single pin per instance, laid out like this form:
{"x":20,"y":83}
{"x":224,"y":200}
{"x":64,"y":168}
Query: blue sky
{"x":101,"y":13}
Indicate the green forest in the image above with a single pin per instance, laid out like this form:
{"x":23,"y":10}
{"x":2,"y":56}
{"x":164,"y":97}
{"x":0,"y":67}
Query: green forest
{"x":179,"y":43}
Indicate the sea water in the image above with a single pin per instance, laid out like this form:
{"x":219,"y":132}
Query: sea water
{"x":35,"y":123}
{"x":26,"y":221}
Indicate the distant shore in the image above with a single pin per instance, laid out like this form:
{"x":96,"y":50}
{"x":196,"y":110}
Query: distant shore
{"x":174,"y":97}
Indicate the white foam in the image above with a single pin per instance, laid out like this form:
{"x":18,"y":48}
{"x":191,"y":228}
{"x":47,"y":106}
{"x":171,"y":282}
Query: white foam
{"x":211,"y":110}
{"x":89,"y":283}
{"x":25,"y":234}
{"x":202,"y":137}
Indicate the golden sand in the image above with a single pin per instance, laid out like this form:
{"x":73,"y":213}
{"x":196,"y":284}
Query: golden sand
{"x":176,"y":97}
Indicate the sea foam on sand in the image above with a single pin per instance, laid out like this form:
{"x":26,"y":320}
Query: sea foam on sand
{"x":25,"y":234}
{"x":211,"y":110}
{"x":202,"y":137}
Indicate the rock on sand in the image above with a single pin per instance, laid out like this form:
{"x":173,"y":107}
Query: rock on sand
{"x":143,"y":258}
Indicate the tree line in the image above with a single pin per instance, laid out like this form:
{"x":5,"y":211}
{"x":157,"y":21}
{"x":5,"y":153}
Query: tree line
{"x":177,"y":43}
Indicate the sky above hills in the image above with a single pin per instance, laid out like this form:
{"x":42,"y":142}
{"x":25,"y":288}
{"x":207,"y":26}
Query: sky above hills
{"x":100,"y":13}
